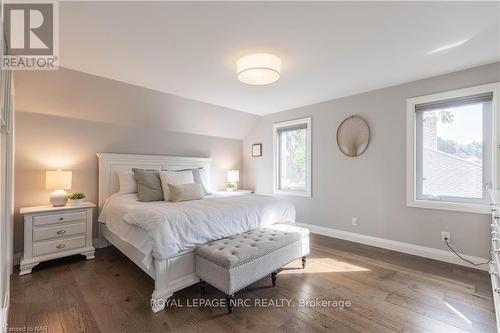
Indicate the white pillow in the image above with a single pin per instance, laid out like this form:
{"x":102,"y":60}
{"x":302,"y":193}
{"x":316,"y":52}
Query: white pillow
{"x":174,"y":178}
{"x":205,"y":179}
{"x":127,"y":182}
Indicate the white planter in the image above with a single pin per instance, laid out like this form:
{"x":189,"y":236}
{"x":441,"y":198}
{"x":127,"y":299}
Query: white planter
{"x":75,"y":202}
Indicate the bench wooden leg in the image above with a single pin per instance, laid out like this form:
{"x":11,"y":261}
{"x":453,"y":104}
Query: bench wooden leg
{"x":203,"y":287}
{"x":230,"y":303}
{"x":304,"y":262}
{"x":273,"y":278}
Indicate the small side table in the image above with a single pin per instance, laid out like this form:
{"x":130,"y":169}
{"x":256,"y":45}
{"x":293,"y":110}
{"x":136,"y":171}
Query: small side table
{"x":56,"y":232}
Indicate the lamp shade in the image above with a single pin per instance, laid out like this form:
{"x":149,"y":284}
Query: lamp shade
{"x":58,"y":180}
{"x":233,"y":176}
{"x":258,"y":69}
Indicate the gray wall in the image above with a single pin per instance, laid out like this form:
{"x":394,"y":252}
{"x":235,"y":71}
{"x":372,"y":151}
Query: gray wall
{"x":64,"y":118}
{"x":371,"y":187}
{"x":78,"y":95}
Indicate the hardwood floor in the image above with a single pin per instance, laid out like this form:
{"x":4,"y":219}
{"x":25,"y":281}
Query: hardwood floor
{"x":388,"y":291}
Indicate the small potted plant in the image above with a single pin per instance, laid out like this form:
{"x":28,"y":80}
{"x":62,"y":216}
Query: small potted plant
{"x":75,"y":199}
{"x":231,"y":187}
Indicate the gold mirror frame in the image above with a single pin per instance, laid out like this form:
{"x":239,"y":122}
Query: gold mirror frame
{"x":353,"y":136}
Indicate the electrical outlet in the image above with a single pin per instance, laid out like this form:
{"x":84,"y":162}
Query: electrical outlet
{"x":355,"y":221}
{"x":445,"y":234}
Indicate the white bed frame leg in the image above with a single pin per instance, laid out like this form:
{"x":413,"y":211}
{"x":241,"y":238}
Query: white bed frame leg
{"x":161,"y":292}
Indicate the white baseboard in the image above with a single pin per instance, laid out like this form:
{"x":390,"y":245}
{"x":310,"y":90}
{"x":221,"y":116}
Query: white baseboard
{"x":100,"y":243}
{"x":417,"y":250}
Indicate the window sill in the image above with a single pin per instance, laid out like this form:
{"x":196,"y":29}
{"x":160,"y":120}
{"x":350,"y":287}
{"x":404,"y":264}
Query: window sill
{"x":295,"y":193}
{"x":451,"y":206}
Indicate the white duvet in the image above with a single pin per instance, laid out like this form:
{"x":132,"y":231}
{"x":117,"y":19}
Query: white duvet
{"x":174,"y":227}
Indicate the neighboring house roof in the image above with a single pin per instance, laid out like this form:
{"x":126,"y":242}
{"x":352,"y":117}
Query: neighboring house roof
{"x":446,"y":147}
{"x":448,"y":175}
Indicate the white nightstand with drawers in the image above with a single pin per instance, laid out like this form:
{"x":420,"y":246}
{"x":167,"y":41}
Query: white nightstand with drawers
{"x":55,"y":232}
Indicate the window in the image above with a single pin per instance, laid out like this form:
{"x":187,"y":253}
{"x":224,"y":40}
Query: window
{"x":292,"y":157}
{"x":451,"y":149}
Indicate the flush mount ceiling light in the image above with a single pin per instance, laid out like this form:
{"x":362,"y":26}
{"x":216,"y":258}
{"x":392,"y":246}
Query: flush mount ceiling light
{"x":258,"y":69}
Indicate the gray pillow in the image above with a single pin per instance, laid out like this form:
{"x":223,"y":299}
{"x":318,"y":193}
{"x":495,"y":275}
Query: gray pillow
{"x":197,"y":178}
{"x":148,"y":185}
{"x":185,"y":192}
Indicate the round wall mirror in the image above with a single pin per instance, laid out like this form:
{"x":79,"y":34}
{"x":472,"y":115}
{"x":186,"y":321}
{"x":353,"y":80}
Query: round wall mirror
{"x":353,"y":136}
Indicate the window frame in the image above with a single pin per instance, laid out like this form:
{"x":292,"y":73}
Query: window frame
{"x":276,"y":158}
{"x":411,"y":148}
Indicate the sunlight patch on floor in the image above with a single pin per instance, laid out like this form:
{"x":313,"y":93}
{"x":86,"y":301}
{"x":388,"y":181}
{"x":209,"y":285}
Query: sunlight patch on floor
{"x":322,"y":265}
{"x":458,"y":313}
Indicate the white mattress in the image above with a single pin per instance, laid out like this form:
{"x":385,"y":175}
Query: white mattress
{"x":118,"y":206}
{"x":115,"y":208}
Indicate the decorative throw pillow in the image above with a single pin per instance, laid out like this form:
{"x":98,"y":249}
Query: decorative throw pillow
{"x":200,"y":176}
{"x":148,"y":185}
{"x":185,"y":192}
{"x":174,"y":178}
{"x":127,"y":182}
{"x":204,"y":180}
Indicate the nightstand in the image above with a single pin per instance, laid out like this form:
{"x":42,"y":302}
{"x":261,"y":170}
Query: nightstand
{"x":55,"y":232}
{"x":234,"y":193}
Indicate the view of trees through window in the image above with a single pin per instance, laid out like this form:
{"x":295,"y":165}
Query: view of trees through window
{"x":293,"y":158}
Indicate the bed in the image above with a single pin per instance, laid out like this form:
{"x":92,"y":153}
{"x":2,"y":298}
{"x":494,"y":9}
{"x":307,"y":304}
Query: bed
{"x":171,"y":261}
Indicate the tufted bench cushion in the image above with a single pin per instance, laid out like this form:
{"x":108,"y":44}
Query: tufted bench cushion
{"x":233,"y":263}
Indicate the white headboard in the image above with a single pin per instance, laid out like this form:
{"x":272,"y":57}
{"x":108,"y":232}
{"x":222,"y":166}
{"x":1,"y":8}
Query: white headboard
{"x":110,"y":163}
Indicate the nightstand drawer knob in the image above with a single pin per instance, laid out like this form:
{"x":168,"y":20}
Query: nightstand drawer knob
{"x":61,"y":246}
{"x":61,"y":232}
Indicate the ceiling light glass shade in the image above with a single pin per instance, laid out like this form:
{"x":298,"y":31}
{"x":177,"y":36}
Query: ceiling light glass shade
{"x":258,"y":69}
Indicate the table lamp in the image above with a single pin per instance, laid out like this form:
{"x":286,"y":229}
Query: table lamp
{"x":233,"y":177}
{"x":59,"y":181}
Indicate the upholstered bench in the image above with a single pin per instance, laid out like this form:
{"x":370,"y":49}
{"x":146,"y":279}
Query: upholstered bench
{"x":233,"y":263}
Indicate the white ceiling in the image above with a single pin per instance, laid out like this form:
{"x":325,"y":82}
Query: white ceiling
{"x":328,"y":50}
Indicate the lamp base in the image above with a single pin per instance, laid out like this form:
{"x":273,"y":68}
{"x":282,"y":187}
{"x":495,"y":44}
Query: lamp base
{"x":58,"y":198}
